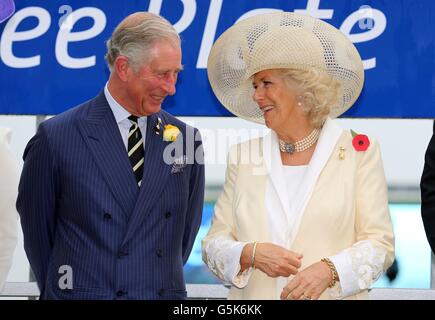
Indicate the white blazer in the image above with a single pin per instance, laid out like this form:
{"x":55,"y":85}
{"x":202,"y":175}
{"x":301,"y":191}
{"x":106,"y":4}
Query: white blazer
{"x":8,"y":194}
{"x":340,"y":212}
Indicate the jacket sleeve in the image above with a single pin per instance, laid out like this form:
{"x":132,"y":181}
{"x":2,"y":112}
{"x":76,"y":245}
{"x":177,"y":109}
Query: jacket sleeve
{"x":373,"y":252}
{"x":36,"y":203}
{"x":427,"y":186}
{"x":220,"y":249}
{"x":196,"y":198}
{"x":8,"y":215}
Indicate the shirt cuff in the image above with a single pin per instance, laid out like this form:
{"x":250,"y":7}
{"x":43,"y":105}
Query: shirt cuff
{"x":240,"y":280}
{"x":348,"y":280}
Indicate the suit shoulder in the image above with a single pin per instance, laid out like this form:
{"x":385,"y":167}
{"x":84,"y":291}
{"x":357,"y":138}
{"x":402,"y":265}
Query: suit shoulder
{"x":358,"y":141}
{"x":248,"y":144}
{"x":362,"y":148}
{"x":64,"y":119}
{"x":246,"y":147}
{"x":170,"y":119}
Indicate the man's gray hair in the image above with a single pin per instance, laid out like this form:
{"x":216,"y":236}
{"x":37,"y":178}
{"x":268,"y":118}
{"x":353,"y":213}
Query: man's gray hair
{"x":135,"y":35}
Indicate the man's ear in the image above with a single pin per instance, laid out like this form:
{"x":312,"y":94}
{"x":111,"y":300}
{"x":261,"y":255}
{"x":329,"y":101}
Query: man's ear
{"x":122,"y":67}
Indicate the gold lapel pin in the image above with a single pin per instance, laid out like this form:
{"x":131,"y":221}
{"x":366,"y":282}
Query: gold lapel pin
{"x":341,"y":153}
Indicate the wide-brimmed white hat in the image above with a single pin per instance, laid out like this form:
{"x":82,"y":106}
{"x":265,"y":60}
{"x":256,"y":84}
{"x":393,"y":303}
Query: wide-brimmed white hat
{"x":281,"y":40}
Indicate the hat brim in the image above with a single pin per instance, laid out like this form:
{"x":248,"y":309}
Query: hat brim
{"x":281,"y":41}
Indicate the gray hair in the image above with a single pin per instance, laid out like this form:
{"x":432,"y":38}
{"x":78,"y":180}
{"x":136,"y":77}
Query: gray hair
{"x":135,"y":36}
{"x":319,"y":92}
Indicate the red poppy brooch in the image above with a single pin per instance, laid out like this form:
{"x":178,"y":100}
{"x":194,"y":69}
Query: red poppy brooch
{"x":360,"y":141}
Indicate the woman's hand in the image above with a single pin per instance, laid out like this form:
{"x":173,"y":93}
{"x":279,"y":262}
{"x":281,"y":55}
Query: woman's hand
{"x":273,"y":260}
{"x":309,"y":283}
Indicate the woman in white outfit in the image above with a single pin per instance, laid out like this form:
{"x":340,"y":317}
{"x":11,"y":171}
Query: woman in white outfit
{"x":8,"y":194}
{"x":304,"y":210}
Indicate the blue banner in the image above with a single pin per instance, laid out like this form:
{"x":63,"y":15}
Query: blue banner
{"x":52,"y":51}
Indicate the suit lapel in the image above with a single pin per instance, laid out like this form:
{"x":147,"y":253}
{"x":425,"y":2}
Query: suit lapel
{"x":324,"y":149}
{"x":102,"y":136}
{"x":285,"y":216}
{"x":276,"y":189}
{"x":155,"y":174}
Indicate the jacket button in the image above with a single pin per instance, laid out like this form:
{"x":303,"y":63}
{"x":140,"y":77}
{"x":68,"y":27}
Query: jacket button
{"x":120,"y":293}
{"x":107,"y":216}
{"x":167,"y":215}
{"x":161,"y":292}
{"x":159,"y":253}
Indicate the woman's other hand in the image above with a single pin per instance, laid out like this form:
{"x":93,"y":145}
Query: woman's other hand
{"x":309,"y":283}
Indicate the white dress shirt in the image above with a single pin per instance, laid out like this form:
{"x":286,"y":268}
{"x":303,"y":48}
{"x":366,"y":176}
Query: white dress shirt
{"x":121,"y":117}
{"x":293,"y":178}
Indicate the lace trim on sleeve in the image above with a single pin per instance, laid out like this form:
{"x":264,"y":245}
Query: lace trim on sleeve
{"x":223,"y":259}
{"x":358,"y":268}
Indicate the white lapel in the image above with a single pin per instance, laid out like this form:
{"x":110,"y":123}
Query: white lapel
{"x":276,"y":199}
{"x":327,"y":140}
{"x":284,"y":218}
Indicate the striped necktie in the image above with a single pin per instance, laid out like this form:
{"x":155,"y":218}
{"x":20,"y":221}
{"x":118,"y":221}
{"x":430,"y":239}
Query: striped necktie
{"x":136,"y":149}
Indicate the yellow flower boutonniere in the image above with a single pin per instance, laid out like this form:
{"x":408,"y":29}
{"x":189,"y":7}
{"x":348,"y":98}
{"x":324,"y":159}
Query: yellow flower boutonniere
{"x":170,"y":133}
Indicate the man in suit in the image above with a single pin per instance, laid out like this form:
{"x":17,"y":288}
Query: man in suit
{"x":107,"y":211}
{"x":427,"y":186}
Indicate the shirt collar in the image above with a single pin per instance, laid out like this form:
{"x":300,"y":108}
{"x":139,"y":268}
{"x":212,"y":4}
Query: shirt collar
{"x":118,"y":110}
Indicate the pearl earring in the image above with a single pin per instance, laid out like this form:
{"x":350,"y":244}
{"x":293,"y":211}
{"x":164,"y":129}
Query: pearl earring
{"x":299,"y":101}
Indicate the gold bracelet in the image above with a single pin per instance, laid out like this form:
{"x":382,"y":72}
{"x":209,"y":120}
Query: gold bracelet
{"x":333,"y":270}
{"x":253,"y":254}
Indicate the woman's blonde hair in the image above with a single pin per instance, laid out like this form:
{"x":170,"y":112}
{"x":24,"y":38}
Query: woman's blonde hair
{"x":318,"y":92}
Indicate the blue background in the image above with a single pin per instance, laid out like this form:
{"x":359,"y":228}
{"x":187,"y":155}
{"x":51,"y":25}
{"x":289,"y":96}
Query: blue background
{"x":401,"y":86}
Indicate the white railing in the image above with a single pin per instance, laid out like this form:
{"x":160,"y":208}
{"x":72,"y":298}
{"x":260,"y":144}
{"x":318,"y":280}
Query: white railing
{"x":217,"y":291}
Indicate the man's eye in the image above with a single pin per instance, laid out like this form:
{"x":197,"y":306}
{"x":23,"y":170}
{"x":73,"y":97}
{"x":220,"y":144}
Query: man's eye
{"x":266,"y":83}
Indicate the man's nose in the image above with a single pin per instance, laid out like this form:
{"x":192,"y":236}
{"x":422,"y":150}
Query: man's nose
{"x":169,"y":85}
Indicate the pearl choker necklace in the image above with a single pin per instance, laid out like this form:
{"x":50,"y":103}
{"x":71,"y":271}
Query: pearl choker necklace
{"x":300,"y":145}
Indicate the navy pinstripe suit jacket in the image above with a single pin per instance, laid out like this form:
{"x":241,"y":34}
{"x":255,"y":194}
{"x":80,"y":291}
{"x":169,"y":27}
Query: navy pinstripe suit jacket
{"x":80,"y":206}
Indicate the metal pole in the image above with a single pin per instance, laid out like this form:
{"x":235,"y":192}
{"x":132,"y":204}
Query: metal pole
{"x":432,"y":273}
